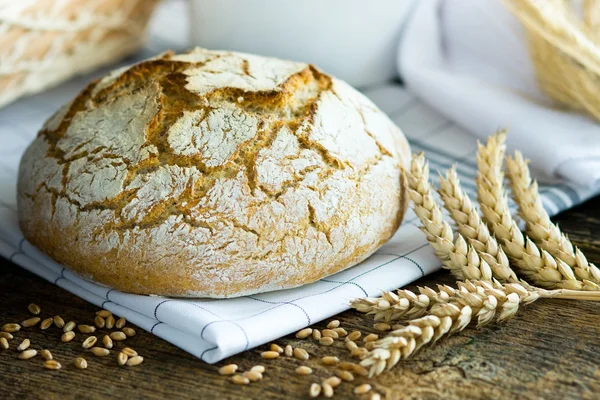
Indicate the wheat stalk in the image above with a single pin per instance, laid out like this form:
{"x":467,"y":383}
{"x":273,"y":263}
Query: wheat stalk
{"x":539,"y":267}
{"x":470,"y":225}
{"x":484,"y":301}
{"x":538,"y":224}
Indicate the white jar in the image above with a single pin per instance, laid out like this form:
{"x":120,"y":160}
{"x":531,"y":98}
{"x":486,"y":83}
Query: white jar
{"x":355,"y":40}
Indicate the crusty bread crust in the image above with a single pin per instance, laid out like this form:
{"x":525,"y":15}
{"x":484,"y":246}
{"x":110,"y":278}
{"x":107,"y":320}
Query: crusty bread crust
{"x":213,"y":174}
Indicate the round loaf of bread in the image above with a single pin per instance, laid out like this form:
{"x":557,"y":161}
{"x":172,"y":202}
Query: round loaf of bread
{"x":213,"y":174}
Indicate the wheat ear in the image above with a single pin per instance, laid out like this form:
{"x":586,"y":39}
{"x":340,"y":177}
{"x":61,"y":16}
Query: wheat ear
{"x":539,"y":227}
{"x":539,"y":267}
{"x":460,"y":258}
{"x":470,"y":225}
{"x":484,"y":301}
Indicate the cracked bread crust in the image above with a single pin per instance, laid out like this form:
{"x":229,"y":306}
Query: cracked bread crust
{"x":213,"y":174}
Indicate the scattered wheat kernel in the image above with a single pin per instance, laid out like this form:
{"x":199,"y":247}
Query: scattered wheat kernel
{"x":129,"y":352}
{"x":327,"y":390}
{"x":103,"y":313}
{"x":258,"y":368}
{"x":350,"y":345}
{"x":34,"y":309}
{"x":24,"y":345}
{"x":362,"y":389}
{"x":277,"y":348}
{"x":107,"y":342}
{"x":27,"y":354}
{"x":99,"y":351}
{"x":382,"y":327}
{"x":89,"y":342}
{"x":346,"y":375}
{"x":46,"y":355}
{"x":360,"y":352}
{"x":360,"y":370}
{"x":330,"y":360}
{"x":240,"y":380}
{"x":3,"y":343}
{"x":6,"y":335}
{"x":30,"y":322}
{"x":135,"y":360}
{"x":371,"y":337}
{"x":47,"y":323}
{"x":86,"y":328}
{"x":228,"y":369}
{"x":118,"y":336}
{"x":333,"y":381}
{"x":80,"y":363}
{"x":315,"y":390}
{"x":99,"y":322}
{"x":304,"y":333}
{"x":347,"y":366}
{"x":69,"y":326}
{"x":329,"y":333}
{"x":397,"y":326}
{"x":375,"y":396}
{"x":326,"y":341}
{"x":52,"y":364}
{"x":58,"y":321}
{"x":129,"y":331}
{"x":301,"y":354}
{"x":269,"y":354}
{"x":109,"y":323}
{"x":122,"y":358}
{"x":316,"y":334}
{"x":341,"y":332}
{"x":304,"y":370}
{"x":11,"y":328}
{"x":353,"y":336}
{"x":288,"y":351}
{"x":333,"y":324}
{"x":67,"y":336}
{"x":253,"y":376}
{"x":120,"y":323}
{"x":370,"y":345}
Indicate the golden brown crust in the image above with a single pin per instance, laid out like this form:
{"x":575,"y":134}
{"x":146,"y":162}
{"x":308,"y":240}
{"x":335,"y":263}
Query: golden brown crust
{"x":213,"y":174}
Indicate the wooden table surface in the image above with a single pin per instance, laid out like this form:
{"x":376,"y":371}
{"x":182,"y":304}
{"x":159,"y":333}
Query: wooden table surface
{"x":551,"y":350}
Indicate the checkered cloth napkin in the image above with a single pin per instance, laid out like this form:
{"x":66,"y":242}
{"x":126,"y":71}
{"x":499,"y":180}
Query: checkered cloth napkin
{"x":214,"y":329}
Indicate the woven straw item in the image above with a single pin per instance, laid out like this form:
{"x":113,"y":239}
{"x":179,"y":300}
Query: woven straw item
{"x":564,"y":38}
{"x":44,"y":42}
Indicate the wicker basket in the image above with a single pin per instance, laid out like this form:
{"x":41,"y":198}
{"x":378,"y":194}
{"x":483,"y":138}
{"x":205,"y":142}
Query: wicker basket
{"x":44,"y":42}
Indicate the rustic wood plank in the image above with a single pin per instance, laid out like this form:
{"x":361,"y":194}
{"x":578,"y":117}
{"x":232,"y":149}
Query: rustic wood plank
{"x":548,"y":351}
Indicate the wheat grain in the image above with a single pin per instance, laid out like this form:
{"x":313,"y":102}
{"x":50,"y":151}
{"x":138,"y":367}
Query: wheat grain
{"x":382,"y":327}
{"x":4,"y":343}
{"x":107,"y":342}
{"x":341,"y":332}
{"x":89,"y":342}
{"x":538,"y":225}
{"x":329,"y":333}
{"x":333,"y":324}
{"x":6,"y":335}
{"x":269,"y":354}
{"x":258,"y":368}
{"x":118,"y":336}
{"x":52,"y":365}
{"x":301,"y":354}
{"x":80,"y":363}
{"x":129,"y":331}
{"x":253,"y":376}
{"x":471,"y":227}
{"x":86,"y":328}
{"x":370,"y":337}
{"x":353,"y":336}
{"x":11,"y":328}
{"x":346,"y":376}
{"x":539,"y":267}
{"x":362,"y":389}
{"x":350,"y":345}
{"x":34,"y":309}
{"x":375,"y":396}
{"x":24,"y":345}
{"x":67,"y":336}
{"x":46,"y":355}
{"x":330,"y":360}
{"x":288,"y":350}
{"x":360,"y":370}
{"x":240,"y":380}
{"x":315,"y":390}
{"x":304,"y":370}
{"x":326,"y":341}
{"x":316,"y":334}
{"x":47,"y":323}
{"x":103,"y":313}
{"x":99,"y":351}
{"x":120,"y":323}
{"x":275,"y":347}
{"x":69,"y":326}
{"x":304,"y":333}
{"x":135,"y":360}
{"x":122,"y":358}
{"x":327,"y":389}
{"x":58,"y":321}
{"x":99,"y":322}
{"x":30,"y":322}
{"x":347,"y":366}
{"x":27,"y":354}
{"x":129,"y":351}
{"x":109,"y":322}
{"x":333,"y":381}
{"x":228,"y":369}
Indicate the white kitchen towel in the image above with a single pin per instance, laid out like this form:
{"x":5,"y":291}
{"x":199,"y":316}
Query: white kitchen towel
{"x":214,"y":329}
{"x":469,"y":60}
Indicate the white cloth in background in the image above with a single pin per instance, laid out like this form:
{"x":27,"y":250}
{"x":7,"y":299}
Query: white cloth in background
{"x":214,"y":329}
{"x":469,"y":60}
